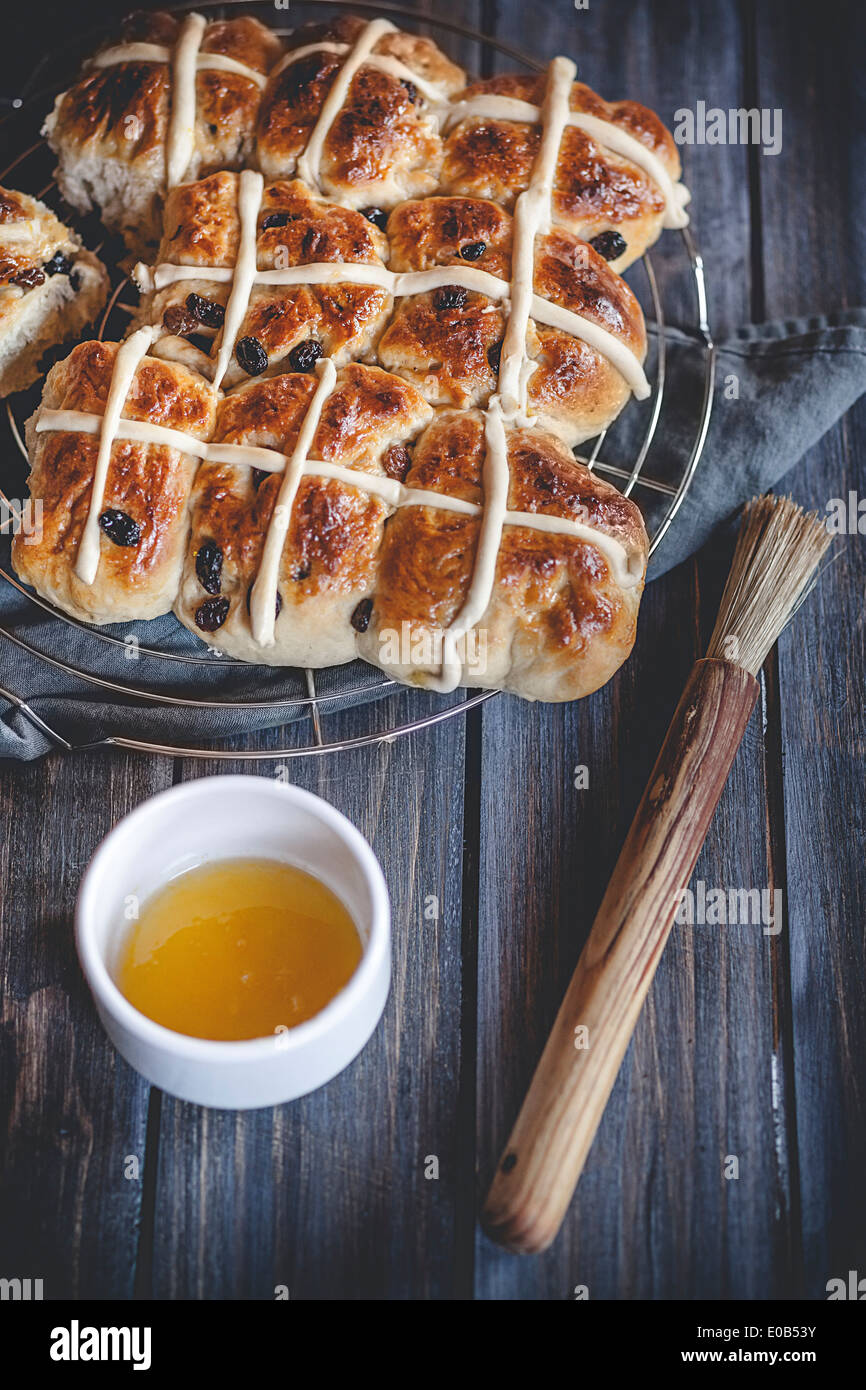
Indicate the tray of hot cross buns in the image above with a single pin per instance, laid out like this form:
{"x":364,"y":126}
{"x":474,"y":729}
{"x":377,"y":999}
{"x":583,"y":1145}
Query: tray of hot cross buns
{"x":369,"y":326}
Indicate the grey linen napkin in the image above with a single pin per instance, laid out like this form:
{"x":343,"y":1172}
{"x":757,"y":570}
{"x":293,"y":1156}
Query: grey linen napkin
{"x":779,"y":387}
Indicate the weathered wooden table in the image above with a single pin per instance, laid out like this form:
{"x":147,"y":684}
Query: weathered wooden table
{"x":750,"y":1045}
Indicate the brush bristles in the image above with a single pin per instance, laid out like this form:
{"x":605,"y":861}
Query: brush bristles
{"x":778,"y":550}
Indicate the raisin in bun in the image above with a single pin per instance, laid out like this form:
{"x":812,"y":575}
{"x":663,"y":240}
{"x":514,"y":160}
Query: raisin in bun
{"x":113,"y":130}
{"x":50,"y":287}
{"x":143,"y":510}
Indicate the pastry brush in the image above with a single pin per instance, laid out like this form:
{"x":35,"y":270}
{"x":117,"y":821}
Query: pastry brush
{"x":773,"y":569}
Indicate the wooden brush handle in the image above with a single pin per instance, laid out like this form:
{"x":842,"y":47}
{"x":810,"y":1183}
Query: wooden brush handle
{"x":544,"y":1157}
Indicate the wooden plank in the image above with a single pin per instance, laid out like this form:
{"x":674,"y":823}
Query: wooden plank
{"x":653,"y":1216}
{"x":74,"y":1113}
{"x":301,"y":1195}
{"x":812,"y":198}
{"x":306,"y":1195}
{"x":297,"y":1196}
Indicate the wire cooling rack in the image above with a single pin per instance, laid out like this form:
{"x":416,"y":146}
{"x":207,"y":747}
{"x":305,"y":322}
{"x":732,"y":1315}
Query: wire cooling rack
{"x":162,"y":651}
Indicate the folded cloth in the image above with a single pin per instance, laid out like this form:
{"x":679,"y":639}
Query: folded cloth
{"x":778,"y":388}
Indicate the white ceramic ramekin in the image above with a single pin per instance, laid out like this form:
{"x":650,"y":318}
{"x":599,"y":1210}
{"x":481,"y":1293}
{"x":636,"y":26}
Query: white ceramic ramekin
{"x":229,"y":818}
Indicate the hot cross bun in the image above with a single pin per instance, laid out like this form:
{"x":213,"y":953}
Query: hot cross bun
{"x":172,"y":100}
